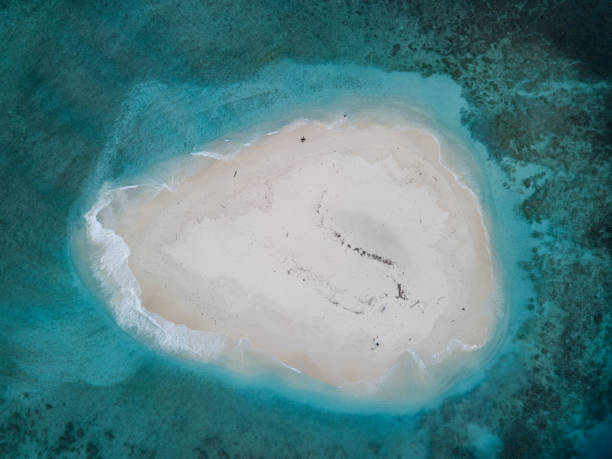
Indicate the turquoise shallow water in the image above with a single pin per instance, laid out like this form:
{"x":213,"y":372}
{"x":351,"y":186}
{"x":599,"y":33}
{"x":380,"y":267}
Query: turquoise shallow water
{"x":98,"y":93}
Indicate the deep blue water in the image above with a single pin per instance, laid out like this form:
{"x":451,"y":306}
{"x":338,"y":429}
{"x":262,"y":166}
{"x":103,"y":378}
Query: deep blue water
{"x":98,"y":93}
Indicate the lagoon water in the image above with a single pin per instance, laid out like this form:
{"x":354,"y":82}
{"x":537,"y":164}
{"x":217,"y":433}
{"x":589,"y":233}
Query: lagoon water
{"x":108,"y":96}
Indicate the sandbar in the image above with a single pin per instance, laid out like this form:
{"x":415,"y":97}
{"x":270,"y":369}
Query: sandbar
{"x":333,"y":248}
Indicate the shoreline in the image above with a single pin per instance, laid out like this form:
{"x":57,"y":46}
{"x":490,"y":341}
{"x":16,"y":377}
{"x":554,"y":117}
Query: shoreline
{"x":425,"y":346}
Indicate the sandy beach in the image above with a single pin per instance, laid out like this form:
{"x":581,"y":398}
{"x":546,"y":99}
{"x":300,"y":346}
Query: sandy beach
{"x":334,"y":250}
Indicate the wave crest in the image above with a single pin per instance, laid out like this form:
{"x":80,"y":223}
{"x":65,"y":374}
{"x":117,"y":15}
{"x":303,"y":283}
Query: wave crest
{"x":123,"y":292}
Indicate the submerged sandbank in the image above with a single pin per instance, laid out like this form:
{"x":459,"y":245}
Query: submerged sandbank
{"x":336,"y":250}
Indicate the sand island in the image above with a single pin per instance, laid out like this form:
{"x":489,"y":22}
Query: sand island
{"x":333,"y":249}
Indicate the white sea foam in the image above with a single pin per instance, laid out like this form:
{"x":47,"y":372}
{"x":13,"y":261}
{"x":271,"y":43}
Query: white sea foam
{"x":211,"y":154}
{"x":123,"y":292}
{"x":454,"y":345}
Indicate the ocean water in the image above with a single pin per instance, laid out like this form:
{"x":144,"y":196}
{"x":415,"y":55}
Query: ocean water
{"x":94,"y":95}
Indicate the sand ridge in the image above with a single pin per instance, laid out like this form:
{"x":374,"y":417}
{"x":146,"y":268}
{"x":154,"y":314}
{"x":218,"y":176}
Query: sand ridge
{"x":334,"y":250}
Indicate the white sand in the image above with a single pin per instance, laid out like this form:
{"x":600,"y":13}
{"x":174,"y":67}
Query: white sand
{"x":335,"y":255}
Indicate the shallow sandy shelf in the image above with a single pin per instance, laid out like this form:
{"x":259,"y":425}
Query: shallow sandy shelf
{"x":334,"y":250}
